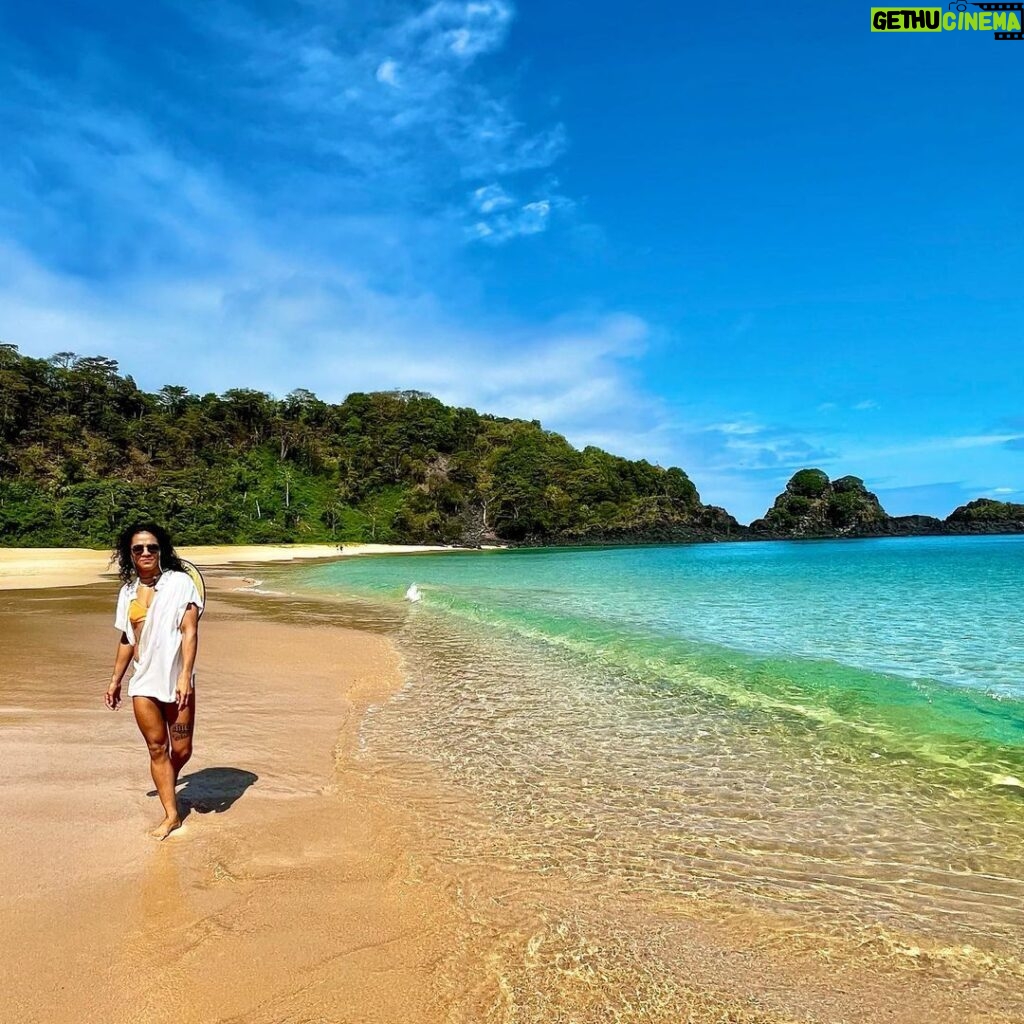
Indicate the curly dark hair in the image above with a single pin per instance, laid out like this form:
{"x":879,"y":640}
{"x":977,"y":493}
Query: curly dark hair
{"x":123,"y":549}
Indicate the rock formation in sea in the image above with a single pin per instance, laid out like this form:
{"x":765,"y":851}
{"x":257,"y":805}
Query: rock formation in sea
{"x":987,"y":516}
{"x":814,"y":506}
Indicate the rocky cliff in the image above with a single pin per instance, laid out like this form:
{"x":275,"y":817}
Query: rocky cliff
{"x":814,"y":506}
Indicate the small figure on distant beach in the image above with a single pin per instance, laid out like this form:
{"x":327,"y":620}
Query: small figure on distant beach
{"x":413,"y":593}
{"x":158,"y":618}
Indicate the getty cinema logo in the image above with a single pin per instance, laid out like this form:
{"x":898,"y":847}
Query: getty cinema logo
{"x":1004,"y":20}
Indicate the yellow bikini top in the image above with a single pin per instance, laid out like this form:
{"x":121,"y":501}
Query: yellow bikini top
{"x":137,"y":613}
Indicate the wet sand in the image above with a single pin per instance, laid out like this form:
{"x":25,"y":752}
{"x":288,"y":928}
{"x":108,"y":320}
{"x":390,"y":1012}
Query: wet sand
{"x":287,"y":894}
{"x":302,"y":886}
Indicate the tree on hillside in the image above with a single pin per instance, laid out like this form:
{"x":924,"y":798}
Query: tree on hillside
{"x":82,"y":448}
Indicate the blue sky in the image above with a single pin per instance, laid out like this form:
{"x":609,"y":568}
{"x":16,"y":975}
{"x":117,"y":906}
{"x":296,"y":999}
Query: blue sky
{"x":741,"y":239}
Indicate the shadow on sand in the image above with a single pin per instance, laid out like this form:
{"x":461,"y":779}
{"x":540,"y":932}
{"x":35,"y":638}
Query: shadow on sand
{"x":211,"y":789}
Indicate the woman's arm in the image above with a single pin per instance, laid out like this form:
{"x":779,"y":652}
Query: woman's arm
{"x":121,"y":659}
{"x":189,"y":646}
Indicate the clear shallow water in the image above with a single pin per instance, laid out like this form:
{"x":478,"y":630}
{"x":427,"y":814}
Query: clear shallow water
{"x":831,"y":729}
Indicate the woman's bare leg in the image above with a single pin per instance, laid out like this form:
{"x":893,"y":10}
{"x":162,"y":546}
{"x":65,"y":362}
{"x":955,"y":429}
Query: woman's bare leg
{"x":150,"y":717}
{"x":181,"y":724}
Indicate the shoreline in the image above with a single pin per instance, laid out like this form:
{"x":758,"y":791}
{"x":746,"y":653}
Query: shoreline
{"x":48,"y":568}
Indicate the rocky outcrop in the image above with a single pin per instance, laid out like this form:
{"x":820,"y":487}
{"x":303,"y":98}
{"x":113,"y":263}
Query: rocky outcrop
{"x":986,"y":516}
{"x":915,"y":526}
{"x":814,"y":506}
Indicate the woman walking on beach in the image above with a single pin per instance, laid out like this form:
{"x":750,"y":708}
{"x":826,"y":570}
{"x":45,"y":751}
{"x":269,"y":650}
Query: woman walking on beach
{"x":158,"y":618}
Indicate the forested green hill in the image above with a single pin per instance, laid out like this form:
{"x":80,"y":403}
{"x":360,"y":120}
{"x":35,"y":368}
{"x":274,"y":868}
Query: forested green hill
{"x":83,"y":451}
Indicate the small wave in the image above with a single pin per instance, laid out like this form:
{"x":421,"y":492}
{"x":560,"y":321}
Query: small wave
{"x":960,"y":730}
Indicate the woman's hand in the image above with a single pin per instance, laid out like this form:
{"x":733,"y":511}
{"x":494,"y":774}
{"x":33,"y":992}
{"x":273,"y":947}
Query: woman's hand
{"x":181,"y":692}
{"x":124,"y":653}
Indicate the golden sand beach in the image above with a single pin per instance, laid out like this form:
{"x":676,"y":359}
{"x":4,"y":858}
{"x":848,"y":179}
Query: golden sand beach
{"x":301,"y":886}
{"x":289,"y":885}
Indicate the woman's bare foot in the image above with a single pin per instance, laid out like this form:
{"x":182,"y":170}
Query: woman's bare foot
{"x":165,"y":828}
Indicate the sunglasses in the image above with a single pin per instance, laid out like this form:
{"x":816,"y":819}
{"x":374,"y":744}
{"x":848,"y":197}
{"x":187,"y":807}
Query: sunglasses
{"x":152,"y":549}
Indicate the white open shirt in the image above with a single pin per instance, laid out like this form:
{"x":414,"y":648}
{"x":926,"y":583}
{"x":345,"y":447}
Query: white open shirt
{"x":158,"y":662}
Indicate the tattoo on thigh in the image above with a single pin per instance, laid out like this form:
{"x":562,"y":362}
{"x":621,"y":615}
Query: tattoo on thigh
{"x":180,"y":730}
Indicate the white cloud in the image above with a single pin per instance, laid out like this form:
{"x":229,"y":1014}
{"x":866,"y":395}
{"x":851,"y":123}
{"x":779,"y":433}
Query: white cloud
{"x":457,"y":30}
{"x":735,"y":427}
{"x":491,"y":198}
{"x":866,"y":405}
{"x":387,"y":72}
{"x":504,"y":223}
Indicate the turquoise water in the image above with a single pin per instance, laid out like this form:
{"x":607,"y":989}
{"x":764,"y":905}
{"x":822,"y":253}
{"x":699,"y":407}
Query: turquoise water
{"x":835,"y":726}
{"x":946,"y":609}
{"x":926,"y":635}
